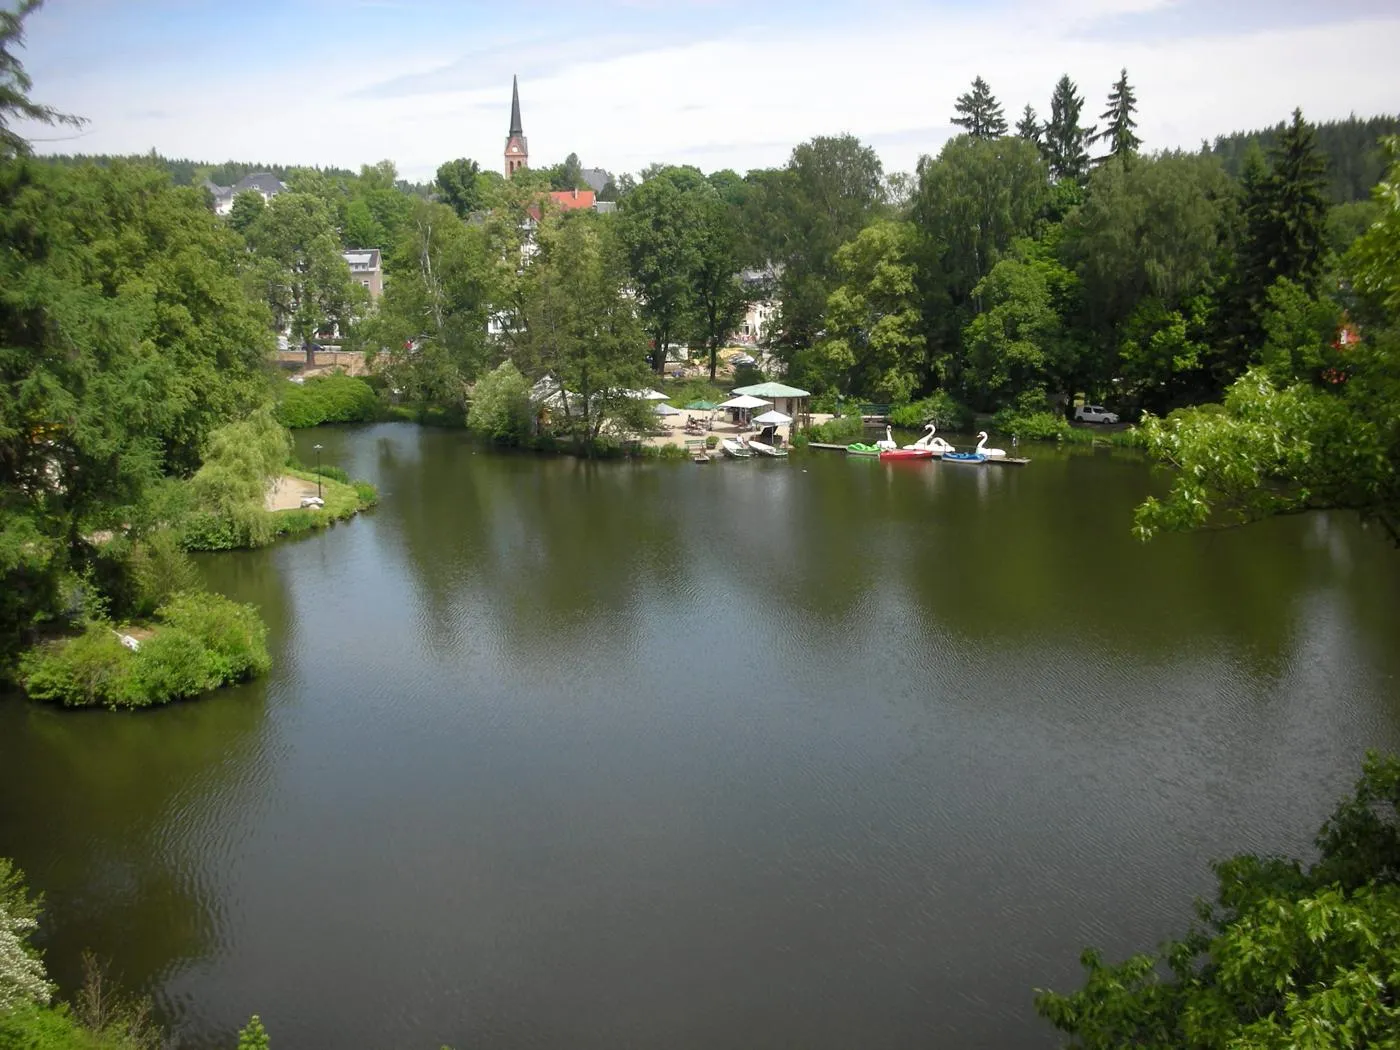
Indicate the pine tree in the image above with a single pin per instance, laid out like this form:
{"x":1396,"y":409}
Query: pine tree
{"x":1298,"y":181}
{"x":1285,"y":213}
{"x":1066,"y":143}
{"x":1029,"y":127}
{"x":979,"y":112}
{"x":1119,"y":127}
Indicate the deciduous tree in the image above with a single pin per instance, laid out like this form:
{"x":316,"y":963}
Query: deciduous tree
{"x":1288,"y":955}
{"x":874,"y":345}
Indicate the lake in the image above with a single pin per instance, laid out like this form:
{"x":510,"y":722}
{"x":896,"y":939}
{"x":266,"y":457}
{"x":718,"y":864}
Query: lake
{"x":820,"y":752}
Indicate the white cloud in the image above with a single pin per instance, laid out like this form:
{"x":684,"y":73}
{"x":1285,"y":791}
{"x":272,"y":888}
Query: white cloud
{"x":744,"y":95}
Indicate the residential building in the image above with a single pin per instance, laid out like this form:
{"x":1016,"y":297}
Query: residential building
{"x":365,"y":269}
{"x":264,"y":183}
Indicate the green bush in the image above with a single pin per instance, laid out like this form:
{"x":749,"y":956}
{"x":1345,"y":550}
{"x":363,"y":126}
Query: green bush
{"x":839,"y":431}
{"x":1032,"y":426}
{"x":939,"y":408}
{"x":137,"y":576}
{"x":336,"y":398}
{"x":366,"y":493}
{"x":500,"y":406}
{"x":201,"y":641}
{"x":93,"y":668}
{"x":234,"y":635}
{"x":665,"y":452}
{"x":171,"y":664}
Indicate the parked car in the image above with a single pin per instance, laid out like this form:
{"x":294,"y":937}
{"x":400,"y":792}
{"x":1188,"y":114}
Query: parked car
{"x":1095,"y":414}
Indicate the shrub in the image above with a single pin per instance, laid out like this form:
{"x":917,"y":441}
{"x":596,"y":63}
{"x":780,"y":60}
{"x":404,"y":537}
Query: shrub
{"x":203,"y":641}
{"x":92,"y":668}
{"x":839,"y":431}
{"x":1033,"y":426}
{"x":938,"y":408}
{"x":336,"y":398}
{"x":171,"y":664}
{"x":367,"y":494}
{"x":711,"y":441}
{"x":233,"y":635}
{"x":137,"y":576}
{"x":500,"y":406}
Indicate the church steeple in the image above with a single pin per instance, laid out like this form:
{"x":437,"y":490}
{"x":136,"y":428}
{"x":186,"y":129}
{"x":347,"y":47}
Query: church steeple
{"x":517,"y":147}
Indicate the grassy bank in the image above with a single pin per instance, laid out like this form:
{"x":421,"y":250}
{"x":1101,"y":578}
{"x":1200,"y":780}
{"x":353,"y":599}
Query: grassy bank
{"x":344,"y":499}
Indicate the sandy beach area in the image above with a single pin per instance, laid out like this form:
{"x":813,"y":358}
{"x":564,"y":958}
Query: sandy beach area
{"x":286,"y":493}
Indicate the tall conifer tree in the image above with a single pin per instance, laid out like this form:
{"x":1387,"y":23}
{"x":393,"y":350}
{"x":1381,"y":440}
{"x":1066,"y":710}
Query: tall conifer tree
{"x":1029,"y":126}
{"x":1285,"y":210}
{"x":1066,"y":143}
{"x":979,"y":112}
{"x":1120,"y":127}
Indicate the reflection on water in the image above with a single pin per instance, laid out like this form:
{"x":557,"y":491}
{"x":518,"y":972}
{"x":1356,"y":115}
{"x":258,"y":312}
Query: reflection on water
{"x":818,"y":752}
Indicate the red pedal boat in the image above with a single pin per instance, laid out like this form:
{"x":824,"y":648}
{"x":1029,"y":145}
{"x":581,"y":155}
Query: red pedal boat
{"x":906,"y":453}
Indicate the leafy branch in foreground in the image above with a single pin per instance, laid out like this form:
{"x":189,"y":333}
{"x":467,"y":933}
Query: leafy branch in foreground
{"x":1287,"y":957}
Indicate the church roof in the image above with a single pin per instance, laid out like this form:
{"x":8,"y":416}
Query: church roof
{"x":515,"y":128}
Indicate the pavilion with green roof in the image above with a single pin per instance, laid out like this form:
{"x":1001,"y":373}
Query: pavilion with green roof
{"x":790,"y":400}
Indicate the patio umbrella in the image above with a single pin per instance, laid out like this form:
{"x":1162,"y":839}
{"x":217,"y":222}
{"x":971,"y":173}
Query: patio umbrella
{"x":664,"y":409}
{"x":746,"y":401}
{"x":654,"y":395}
{"x":772,"y":419}
{"x":702,"y":406}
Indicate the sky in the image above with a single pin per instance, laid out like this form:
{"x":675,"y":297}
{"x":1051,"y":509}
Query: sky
{"x":715,"y":83}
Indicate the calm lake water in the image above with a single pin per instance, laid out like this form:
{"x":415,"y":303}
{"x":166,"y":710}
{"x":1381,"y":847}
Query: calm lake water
{"x":821,"y":753}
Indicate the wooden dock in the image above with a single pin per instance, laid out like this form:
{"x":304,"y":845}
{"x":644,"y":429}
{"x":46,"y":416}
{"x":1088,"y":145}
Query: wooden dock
{"x":826,"y":445}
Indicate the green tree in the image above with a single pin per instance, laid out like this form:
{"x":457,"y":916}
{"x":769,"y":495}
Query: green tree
{"x":1287,"y":956}
{"x":1150,"y":245}
{"x":719,"y":298}
{"x":458,"y":184}
{"x":1066,"y":142}
{"x":979,"y":113}
{"x":1119,"y":127}
{"x":15,"y":103}
{"x":247,"y":206}
{"x":973,"y":203}
{"x":430,"y":332}
{"x":579,"y":327}
{"x":299,"y":271}
{"x":874,"y":346}
{"x":1017,"y":344}
{"x":660,"y":227}
{"x":1287,"y":234}
{"x":798,"y":217}
{"x":1329,"y":442}
{"x":1284,"y":232}
{"x":569,"y":175}
{"x":1029,"y":126}
{"x":1374,"y":260}
{"x":22,"y":977}
{"x":500,"y":406}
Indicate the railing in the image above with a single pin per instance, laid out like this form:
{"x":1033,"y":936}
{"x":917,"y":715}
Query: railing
{"x":869,"y":410}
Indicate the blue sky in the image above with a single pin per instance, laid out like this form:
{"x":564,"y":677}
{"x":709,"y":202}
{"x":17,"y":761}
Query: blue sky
{"x":718,"y":83}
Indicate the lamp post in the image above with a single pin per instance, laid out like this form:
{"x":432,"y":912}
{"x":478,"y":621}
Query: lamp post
{"x":318,"y":470}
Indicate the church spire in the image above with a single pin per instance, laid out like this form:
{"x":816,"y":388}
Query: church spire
{"x":517,"y":147}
